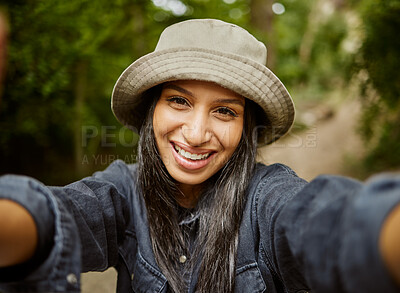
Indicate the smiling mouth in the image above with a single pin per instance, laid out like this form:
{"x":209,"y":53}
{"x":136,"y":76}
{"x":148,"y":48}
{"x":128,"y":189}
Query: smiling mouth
{"x":190,"y":156}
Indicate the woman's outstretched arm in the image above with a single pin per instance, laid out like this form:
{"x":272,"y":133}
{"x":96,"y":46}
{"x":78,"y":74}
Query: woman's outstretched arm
{"x":18,"y":234}
{"x":339,"y":234}
{"x":62,"y":231}
{"x":390,"y":243}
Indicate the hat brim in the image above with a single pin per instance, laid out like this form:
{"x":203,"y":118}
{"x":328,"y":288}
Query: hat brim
{"x":241,"y":75}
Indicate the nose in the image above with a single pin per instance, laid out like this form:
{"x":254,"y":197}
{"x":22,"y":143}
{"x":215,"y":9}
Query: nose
{"x":196,"y":130}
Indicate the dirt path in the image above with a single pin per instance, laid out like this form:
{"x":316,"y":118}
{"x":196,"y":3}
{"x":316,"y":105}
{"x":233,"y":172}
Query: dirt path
{"x":321,"y":149}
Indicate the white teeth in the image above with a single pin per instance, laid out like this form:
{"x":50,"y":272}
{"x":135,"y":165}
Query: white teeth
{"x":190,"y":156}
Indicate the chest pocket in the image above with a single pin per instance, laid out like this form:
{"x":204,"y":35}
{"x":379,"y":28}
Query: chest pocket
{"x":145,"y":278}
{"x":249,"y":279}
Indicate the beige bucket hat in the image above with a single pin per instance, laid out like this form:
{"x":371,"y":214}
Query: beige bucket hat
{"x":207,"y":50}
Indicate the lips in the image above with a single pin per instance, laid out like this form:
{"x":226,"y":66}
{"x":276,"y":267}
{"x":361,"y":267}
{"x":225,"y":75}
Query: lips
{"x":193,"y":159}
{"x":191,"y":156}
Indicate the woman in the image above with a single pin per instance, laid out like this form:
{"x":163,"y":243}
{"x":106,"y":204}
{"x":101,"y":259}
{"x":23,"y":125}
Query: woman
{"x":196,"y":213}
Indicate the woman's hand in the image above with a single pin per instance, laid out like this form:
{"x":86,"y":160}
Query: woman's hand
{"x":18,"y":234}
{"x":390,"y":243}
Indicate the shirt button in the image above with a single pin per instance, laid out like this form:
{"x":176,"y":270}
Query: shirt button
{"x":72,"y":279}
{"x":182,"y":259}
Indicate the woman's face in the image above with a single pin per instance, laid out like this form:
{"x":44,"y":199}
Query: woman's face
{"x":197,"y":126}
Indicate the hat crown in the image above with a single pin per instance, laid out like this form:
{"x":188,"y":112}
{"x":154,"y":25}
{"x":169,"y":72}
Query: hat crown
{"x":215,"y":35}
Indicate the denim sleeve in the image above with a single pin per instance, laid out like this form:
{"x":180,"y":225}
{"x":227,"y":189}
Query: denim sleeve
{"x":327,"y":235}
{"x":274,"y":190}
{"x":89,"y":221}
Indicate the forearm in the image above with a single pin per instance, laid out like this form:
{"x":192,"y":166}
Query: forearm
{"x":335,"y":228}
{"x":390,"y":243}
{"x":18,"y":234}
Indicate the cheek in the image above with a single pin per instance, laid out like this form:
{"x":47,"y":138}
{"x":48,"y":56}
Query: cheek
{"x":157,"y":122}
{"x":164,"y":121}
{"x":230,"y":135}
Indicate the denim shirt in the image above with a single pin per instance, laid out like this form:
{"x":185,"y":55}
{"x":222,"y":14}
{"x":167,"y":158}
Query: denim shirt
{"x":294,"y":236}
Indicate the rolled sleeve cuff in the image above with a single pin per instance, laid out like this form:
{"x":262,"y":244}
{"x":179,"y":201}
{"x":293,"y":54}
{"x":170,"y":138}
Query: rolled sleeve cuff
{"x":60,"y":271}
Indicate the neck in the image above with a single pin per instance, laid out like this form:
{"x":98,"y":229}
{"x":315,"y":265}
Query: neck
{"x":189,"y":195}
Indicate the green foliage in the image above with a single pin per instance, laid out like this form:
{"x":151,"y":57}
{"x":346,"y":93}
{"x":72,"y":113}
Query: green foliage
{"x":327,"y":58}
{"x":65,"y":56}
{"x":385,"y":155}
{"x":290,"y":29}
{"x":381,"y":48}
{"x":310,"y":45}
{"x":380,"y":62}
{"x":237,"y":12}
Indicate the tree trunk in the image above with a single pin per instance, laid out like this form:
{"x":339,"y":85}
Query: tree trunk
{"x":313,"y":21}
{"x":262,"y":19}
{"x":315,"y":18}
{"x":80,"y":94}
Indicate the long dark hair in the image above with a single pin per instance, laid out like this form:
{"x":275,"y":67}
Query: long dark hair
{"x":220,"y":209}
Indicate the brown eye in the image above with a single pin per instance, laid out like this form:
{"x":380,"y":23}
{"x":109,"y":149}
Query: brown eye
{"x":226,"y":111}
{"x":178,"y":100}
{"x":178,"y":103}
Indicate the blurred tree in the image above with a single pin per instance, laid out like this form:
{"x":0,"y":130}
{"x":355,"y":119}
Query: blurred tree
{"x":3,"y":47}
{"x":63,"y":60}
{"x":378,"y":63}
{"x":310,"y":55}
{"x":290,"y":29}
{"x":262,"y":19}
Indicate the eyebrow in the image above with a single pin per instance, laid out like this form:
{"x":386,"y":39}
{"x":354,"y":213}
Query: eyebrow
{"x":185,"y":91}
{"x":179,"y":89}
{"x":230,"y":101}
